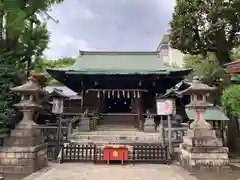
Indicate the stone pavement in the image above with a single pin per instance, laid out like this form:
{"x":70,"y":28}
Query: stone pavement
{"x":81,"y":171}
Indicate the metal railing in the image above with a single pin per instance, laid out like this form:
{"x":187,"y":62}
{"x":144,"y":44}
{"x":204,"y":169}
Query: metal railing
{"x":51,"y":137}
{"x":177,"y":135}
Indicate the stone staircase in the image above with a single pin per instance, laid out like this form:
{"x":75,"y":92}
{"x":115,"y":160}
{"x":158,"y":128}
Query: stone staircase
{"x":118,"y":119}
{"x":116,"y":129}
{"x":117,"y":122}
{"x":115,"y":137}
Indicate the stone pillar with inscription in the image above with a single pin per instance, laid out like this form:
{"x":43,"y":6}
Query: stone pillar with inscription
{"x":25,"y":152}
{"x":201,"y":148}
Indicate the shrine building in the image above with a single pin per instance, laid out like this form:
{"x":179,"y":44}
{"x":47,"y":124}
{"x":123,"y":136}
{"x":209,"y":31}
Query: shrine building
{"x":119,"y":84}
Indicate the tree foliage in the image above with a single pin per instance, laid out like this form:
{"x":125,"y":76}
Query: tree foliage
{"x":203,"y":26}
{"x":22,"y":33}
{"x":207,"y":67}
{"x":23,"y":38}
{"x":231,"y":100}
{"x":9,"y":77}
{"x":42,"y":65}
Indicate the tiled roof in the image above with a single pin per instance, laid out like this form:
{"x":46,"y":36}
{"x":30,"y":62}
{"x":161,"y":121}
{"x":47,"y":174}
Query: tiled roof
{"x":120,"y":63}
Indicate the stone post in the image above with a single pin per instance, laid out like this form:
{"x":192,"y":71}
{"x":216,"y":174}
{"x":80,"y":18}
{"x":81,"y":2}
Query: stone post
{"x":161,"y":131}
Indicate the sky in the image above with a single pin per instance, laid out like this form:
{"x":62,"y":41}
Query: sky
{"x":107,"y":25}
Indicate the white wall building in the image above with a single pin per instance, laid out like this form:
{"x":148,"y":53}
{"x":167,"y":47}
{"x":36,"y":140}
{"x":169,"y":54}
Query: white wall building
{"x":170,"y":56}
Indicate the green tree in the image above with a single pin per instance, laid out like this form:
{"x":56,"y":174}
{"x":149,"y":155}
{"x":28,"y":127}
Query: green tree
{"x":41,"y":65}
{"x":202,"y":26}
{"x":208,"y":67}
{"x":23,"y":38}
{"x":22,"y":33}
{"x":236,"y":54}
{"x":9,"y":77}
{"x":231,"y":100}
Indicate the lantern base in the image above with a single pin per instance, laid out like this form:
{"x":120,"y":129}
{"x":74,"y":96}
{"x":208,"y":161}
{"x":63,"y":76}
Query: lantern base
{"x":24,"y":152}
{"x":201,"y":148}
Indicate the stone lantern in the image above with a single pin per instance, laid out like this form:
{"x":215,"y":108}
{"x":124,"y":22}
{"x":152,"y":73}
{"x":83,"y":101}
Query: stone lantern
{"x":201,"y":147}
{"x":25,"y":152}
{"x":29,"y":93}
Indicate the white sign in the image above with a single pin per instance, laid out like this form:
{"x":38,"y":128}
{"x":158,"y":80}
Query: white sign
{"x":164,"y":107}
{"x":57,"y":107}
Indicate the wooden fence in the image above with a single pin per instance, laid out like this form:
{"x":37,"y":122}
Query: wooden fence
{"x":153,"y":153}
{"x":78,"y":153}
{"x":138,"y":153}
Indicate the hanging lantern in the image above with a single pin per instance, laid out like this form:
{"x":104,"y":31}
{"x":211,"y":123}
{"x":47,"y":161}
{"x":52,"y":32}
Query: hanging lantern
{"x":118,"y":94}
{"x":112,"y":93}
{"x":128,"y":94}
{"x":103,"y":93}
{"x":123,"y":94}
{"x":134,"y":94}
{"x":108,"y":93}
{"x":98,"y":94}
{"x":138,"y":94}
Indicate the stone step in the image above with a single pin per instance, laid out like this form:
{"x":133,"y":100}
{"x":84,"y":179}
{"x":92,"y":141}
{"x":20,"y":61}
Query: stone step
{"x":123,"y":118}
{"x":113,"y":137}
{"x":122,"y":121}
{"x":119,"y":132}
{"x":116,"y":129}
{"x":116,"y":126}
{"x":118,"y":119}
{"x":117,"y":122}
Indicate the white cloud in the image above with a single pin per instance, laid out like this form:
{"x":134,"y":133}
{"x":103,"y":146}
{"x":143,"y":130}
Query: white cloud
{"x":87,"y":13}
{"x":107,"y":25}
{"x":64,"y":45}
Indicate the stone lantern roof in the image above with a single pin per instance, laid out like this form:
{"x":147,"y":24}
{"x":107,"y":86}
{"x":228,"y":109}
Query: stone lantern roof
{"x":30,"y":86}
{"x":197,"y":87}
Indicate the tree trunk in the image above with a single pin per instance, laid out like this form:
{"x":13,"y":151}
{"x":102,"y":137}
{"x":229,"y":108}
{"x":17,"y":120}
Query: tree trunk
{"x":223,"y":57}
{"x":232,"y":133}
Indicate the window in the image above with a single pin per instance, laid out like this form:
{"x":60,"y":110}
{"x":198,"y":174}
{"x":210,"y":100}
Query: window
{"x":165,"y":51}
